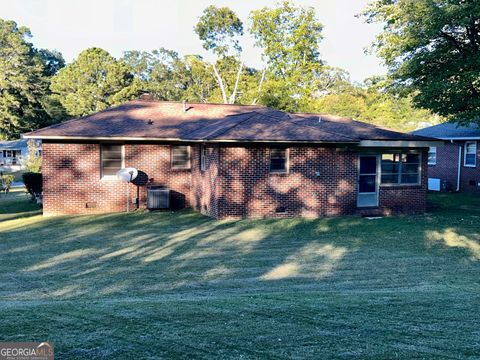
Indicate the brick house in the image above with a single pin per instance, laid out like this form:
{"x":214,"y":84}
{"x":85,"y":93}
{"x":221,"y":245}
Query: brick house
{"x":232,"y":161}
{"x":456,"y":165}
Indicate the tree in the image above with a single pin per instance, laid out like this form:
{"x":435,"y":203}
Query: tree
{"x":34,"y":161}
{"x":23,"y":81}
{"x":157,"y":72}
{"x":93,"y":82}
{"x":372,"y":103}
{"x":432,"y":50}
{"x":219,"y":29}
{"x":289,"y":37}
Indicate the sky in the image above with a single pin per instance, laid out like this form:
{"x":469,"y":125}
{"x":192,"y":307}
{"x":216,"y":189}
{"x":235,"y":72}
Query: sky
{"x":71,"y":26}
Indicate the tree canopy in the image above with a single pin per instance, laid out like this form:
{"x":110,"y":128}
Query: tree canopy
{"x":93,"y":82}
{"x":430,"y":47}
{"x":24,"y":80}
{"x":432,"y":50}
{"x":289,"y":37}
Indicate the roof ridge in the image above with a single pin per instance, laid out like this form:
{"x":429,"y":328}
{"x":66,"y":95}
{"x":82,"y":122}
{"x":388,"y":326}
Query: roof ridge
{"x":197,"y":103}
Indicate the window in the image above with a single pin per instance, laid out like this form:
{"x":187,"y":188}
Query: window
{"x":470,"y":158}
{"x":278,"y":160}
{"x":432,"y":155}
{"x":111,"y":159}
{"x":401,"y":168}
{"x":203,"y":157}
{"x":180,"y":157}
{"x":9,"y":153}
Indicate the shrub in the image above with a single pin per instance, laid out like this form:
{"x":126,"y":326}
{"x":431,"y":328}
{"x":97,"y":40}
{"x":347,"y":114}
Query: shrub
{"x":8,"y":180}
{"x":33,"y":183}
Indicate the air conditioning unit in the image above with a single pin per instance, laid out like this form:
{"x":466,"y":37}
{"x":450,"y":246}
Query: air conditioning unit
{"x":158,"y":197}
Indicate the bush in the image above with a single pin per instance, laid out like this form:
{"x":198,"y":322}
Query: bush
{"x":33,"y":183}
{"x":8,"y":180}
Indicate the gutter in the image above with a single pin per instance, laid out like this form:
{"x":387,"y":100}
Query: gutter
{"x":459,"y":165}
{"x":214,"y":141}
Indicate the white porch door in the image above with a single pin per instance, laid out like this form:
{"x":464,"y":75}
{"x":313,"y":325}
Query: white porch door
{"x":367,"y":194}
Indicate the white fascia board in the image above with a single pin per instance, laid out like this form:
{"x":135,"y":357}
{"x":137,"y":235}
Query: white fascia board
{"x":460,"y":138}
{"x":400,"y":143}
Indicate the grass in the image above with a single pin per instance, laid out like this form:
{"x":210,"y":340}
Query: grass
{"x":179,"y":285}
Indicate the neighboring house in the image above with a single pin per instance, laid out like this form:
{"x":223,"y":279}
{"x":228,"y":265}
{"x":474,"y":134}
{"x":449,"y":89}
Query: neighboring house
{"x":456,"y":165}
{"x":14,"y":153}
{"x":232,"y":161}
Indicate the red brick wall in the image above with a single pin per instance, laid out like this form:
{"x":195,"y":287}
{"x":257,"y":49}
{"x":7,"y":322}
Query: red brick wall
{"x":470,"y":176}
{"x":249,"y":189}
{"x":237,"y":182}
{"x":446,"y":168}
{"x":405,"y":199}
{"x":72,"y":177}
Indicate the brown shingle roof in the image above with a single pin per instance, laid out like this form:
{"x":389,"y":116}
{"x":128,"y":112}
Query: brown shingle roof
{"x":142,"y":119}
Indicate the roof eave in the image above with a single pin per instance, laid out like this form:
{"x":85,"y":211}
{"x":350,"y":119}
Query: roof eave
{"x":130,"y":138}
{"x":400,"y":143}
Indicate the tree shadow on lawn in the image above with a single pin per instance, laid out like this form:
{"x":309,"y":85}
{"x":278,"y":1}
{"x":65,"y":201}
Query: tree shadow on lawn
{"x":187,"y":255}
{"x":149,"y":254}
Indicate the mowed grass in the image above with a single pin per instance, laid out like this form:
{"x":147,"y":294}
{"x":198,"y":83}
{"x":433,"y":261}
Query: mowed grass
{"x":180,"y":285}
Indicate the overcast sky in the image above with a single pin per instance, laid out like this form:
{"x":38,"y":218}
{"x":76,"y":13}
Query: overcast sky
{"x":118,"y":25}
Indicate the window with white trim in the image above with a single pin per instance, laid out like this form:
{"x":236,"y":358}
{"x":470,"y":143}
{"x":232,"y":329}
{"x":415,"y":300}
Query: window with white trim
{"x":432,"y":155}
{"x":181,"y":157}
{"x":203,"y":157}
{"x":470,"y":154}
{"x":400,"y":169}
{"x":111,"y":159}
{"x":278,"y":160}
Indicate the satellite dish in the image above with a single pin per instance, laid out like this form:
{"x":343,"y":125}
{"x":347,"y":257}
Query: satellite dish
{"x":127,"y":174}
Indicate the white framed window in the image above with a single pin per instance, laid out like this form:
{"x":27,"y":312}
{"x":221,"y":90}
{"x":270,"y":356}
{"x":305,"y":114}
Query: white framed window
{"x":401,"y":169}
{"x":180,"y":157}
{"x":470,"y":154}
{"x":432,"y":155}
{"x":279,"y":160}
{"x":112,"y":159}
{"x":203,"y":157}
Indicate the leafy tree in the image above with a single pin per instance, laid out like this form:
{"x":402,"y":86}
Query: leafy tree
{"x":219,"y":29}
{"x":34,"y":161}
{"x":157,"y":72}
{"x":289,"y":37}
{"x":432,"y":50}
{"x":371,"y":103}
{"x":93,"y":82}
{"x":23,"y":81}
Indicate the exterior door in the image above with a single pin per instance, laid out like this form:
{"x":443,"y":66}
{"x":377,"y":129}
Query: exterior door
{"x":367,"y":195}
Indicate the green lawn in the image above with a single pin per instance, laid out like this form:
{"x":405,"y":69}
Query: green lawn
{"x":179,"y":285}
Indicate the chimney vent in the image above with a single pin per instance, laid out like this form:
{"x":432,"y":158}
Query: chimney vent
{"x":319,"y":119}
{"x":184,"y":103}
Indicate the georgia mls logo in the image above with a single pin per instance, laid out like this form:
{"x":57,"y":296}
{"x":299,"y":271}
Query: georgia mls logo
{"x":26,"y":351}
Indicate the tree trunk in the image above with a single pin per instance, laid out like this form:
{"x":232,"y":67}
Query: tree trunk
{"x":234,"y":93}
{"x":254,"y":102}
{"x":220,"y":83}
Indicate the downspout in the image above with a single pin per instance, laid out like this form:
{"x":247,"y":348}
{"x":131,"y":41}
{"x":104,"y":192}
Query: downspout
{"x":459,"y":165}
